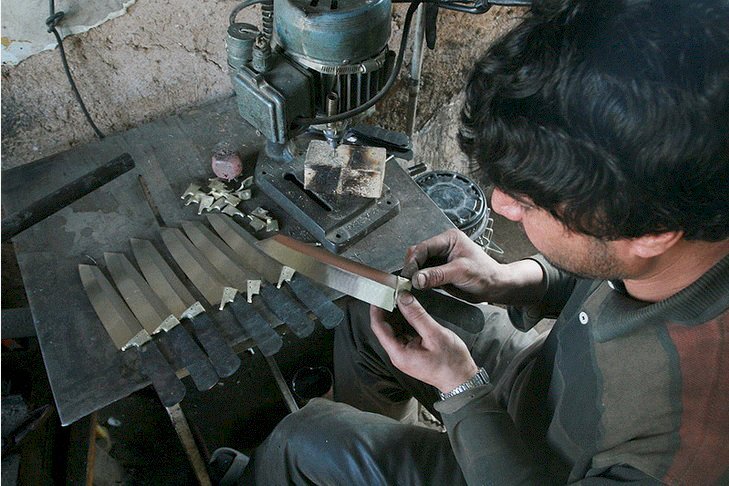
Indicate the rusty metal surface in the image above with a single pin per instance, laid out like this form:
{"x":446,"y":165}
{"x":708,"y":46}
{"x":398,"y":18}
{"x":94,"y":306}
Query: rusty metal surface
{"x":85,"y":370}
{"x":348,"y":169}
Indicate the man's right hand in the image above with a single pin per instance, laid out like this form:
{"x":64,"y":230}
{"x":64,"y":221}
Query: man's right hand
{"x":452,"y":261}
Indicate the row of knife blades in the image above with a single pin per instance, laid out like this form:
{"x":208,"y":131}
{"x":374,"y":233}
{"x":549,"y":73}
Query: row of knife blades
{"x":226,"y":270}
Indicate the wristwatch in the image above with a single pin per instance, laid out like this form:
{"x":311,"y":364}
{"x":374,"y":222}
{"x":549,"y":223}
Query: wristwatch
{"x":480,"y":378}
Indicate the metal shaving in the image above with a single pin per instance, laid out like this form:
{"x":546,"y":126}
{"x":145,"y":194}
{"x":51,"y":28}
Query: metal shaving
{"x":219,"y":197}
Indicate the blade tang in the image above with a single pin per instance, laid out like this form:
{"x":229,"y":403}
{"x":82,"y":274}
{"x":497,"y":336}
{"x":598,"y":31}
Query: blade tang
{"x":121,"y":325}
{"x":139,"y":296}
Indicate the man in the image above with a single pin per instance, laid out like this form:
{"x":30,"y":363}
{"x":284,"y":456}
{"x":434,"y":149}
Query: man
{"x":603,"y":127}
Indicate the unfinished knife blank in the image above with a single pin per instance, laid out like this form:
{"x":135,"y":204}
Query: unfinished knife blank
{"x":355,"y":279}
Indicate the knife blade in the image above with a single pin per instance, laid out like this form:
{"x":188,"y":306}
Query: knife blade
{"x":126,"y":332}
{"x":244,"y":246}
{"x":224,"y":259}
{"x":355,"y":279}
{"x":210,"y":283}
{"x":198,"y":269}
{"x":154,"y":315}
{"x":183,"y":305}
{"x":214,"y":250}
{"x":149,"y":310}
{"x":247,"y":253}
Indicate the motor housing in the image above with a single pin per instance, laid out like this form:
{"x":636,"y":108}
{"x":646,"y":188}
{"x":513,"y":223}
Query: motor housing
{"x":325,"y":57}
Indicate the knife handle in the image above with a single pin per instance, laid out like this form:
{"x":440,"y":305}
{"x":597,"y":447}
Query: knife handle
{"x":322,"y":306}
{"x":267,"y":340}
{"x":154,"y":366}
{"x":191,"y":357}
{"x":293,"y":314}
{"x":224,"y":359}
{"x":443,"y":306}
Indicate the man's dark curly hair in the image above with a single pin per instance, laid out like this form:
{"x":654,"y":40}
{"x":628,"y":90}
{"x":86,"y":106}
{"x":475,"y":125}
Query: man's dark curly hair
{"x":612,"y":115}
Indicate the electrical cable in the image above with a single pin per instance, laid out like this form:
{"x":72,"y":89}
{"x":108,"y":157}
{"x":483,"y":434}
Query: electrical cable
{"x":51,"y":22}
{"x":472,"y":7}
{"x":302,"y":122}
{"x":236,"y":10}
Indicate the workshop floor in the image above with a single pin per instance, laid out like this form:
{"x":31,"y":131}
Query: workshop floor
{"x":134,"y":441}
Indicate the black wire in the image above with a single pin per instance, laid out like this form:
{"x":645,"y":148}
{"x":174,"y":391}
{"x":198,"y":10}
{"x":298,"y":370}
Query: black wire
{"x":477,"y":7}
{"x":236,"y":10}
{"x":51,"y":22}
{"x":390,"y":81}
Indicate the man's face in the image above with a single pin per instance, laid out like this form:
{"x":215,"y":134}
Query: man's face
{"x":577,"y":253}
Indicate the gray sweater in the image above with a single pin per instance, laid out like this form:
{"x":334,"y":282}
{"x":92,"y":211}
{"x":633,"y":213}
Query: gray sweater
{"x":621,"y":390}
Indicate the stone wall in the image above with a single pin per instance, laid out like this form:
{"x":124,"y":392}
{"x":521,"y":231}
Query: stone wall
{"x":165,"y":56}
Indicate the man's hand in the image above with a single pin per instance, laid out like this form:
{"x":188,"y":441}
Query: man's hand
{"x":452,"y":261}
{"x":436,"y":356}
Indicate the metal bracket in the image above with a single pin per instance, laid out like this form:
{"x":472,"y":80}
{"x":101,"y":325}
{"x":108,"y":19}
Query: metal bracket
{"x":169,"y":322}
{"x":205,"y":203}
{"x":253,"y":288}
{"x":229,"y":294}
{"x":218,"y":205}
{"x":192,"y":311}
{"x":191,"y":190}
{"x":287,"y":273}
{"x":139,"y":339}
{"x":233,"y":211}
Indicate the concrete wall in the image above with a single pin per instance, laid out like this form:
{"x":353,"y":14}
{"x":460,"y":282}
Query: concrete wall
{"x":164,"y":56}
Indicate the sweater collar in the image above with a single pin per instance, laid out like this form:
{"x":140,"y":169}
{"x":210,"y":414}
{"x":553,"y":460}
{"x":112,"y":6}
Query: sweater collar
{"x":701,"y":301}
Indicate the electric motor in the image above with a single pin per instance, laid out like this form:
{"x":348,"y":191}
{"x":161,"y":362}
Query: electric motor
{"x":343,"y":42}
{"x":322,"y":57}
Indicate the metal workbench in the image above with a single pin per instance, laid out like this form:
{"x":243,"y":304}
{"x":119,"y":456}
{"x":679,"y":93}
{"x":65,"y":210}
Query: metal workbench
{"x":85,"y":370}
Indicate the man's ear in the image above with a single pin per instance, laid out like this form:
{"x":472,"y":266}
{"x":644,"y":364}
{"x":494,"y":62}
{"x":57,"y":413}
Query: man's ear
{"x":650,"y":246}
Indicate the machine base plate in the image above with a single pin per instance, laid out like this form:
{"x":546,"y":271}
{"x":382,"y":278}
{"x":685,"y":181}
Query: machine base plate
{"x":336,"y":221}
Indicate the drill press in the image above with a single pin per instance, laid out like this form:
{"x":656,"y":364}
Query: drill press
{"x":313,"y":69}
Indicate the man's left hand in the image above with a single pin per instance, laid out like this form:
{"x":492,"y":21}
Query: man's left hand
{"x":436,"y":356}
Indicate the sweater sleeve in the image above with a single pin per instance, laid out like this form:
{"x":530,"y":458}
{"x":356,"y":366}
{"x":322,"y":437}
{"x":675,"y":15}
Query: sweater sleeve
{"x":490,"y":451}
{"x":485,"y":441}
{"x":558,"y":286}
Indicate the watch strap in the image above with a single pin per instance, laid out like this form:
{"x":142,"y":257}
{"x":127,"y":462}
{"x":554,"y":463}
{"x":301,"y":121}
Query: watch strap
{"x":480,"y":378}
